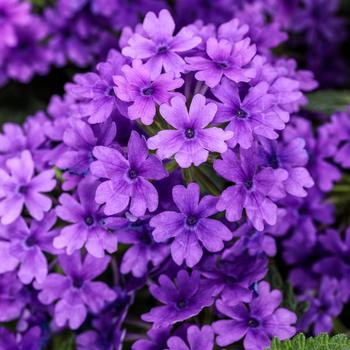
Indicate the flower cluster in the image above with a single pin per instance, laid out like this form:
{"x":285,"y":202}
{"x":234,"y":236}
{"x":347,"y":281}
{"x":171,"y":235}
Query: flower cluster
{"x":153,"y":193}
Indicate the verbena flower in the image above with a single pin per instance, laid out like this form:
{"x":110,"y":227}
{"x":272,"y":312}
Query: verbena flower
{"x":158,"y":46}
{"x":257,"y":323}
{"x":75,"y":293}
{"x":127,"y":177}
{"x":192,"y":140}
{"x":144,"y":92}
{"x":20,"y":187}
{"x":191,"y":227}
{"x":182,"y":300}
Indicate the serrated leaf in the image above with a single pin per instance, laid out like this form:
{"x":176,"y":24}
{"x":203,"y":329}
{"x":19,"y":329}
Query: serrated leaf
{"x":321,"y":342}
{"x":328,"y":101}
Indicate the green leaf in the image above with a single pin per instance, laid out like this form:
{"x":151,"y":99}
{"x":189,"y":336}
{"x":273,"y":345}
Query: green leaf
{"x":321,"y":342}
{"x":328,"y":101}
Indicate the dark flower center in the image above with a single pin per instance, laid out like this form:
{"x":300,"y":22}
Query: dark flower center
{"x":274,"y":161}
{"x":89,"y":220}
{"x":146,"y":238}
{"x":132,"y":174}
{"x":78,"y":282}
{"x":253,"y":323}
{"x":189,"y":133}
{"x":191,"y":220}
{"x":222,"y":65}
{"x":181,"y":304}
{"x":162,"y":49}
{"x":23,"y":189}
{"x":110,"y":92}
{"x":248,"y":184}
{"x":241,"y":114}
{"x":30,"y":241}
{"x":148,"y":91}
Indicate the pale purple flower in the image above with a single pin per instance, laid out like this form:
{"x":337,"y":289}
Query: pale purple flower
{"x":256,"y":323}
{"x":224,"y":59}
{"x":192,"y":141}
{"x":191,"y":227}
{"x":75,"y":293}
{"x":183,"y":299}
{"x":90,"y":227}
{"x":248,"y":117}
{"x":197,"y":339}
{"x":94,"y":91}
{"x":157,"y":45}
{"x":251,"y":190}
{"x":127,"y":178}
{"x":144,"y":92}
{"x":19,"y":188}
{"x":24,"y":245}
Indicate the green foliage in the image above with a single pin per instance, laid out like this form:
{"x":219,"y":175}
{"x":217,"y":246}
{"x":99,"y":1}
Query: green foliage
{"x":321,"y":342}
{"x":328,"y":101}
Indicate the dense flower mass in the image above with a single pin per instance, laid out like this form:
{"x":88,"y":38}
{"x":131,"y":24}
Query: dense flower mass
{"x":179,"y":195}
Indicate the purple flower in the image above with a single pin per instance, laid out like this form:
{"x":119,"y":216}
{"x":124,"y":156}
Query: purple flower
{"x":191,"y":141}
{"x":13,"y":297}
{"x":25,"y":246}
{"x":31,"y":340}
{"x":191,"y":227}
{"x":292,"y":157}
{"x":13,"y":13}
{"x":184,"y":299}
{"x":144,"y":92}
{"x":127,"y":178}
{"x":81,"y":139}
{"x":75,"y":292}
{"x":157,"y":340}
{"x":158,"y":46}
{"x":90,"y":226}
{"x":95,"y":90}
{"x":198,"y":339}
{"x":249,"y":116}
{"x":256,"y":323}
{"x":234,"y":273}
{"x":144,"y":249}
{"x":20,"y":187}
{"x":324,"y":307}
{"x":251,"y":190}
{"x":224,"y":59}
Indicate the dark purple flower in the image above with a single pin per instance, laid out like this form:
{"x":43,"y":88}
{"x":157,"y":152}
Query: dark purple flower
{"x":144,"y":92}
{"x":25,"y":246}
{"x":224,"y":59}
{"x":75,"y":292}
{"x":157,"y":340}
{"x":248,"y":117}
{"x":324,"y":307}
{"x":251,"y":190}
{"x":81,"y":138}
{"x":197,"y":339}
{"x":31,"y":340}
{"x":19,"y":188}
{"x":90,"y":227}
{"x":158,"y":46}
{"x":257,"y":323}
{"x":192,"y":140}
{"x":183,"y":300}
{"x":127,"y":178}
{"x":191,"y":227}
{"x":292,"y":157}
{"x":234,"y":273}
{"x":13,"y":297}
{"x":144,"y":249}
